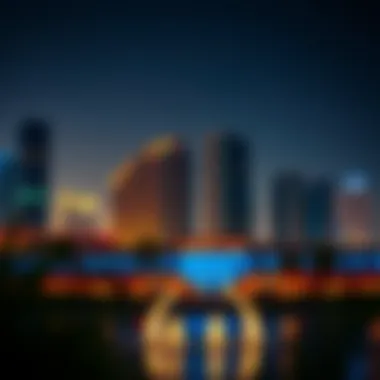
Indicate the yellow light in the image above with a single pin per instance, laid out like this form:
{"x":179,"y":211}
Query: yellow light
{"x":69,"y":201}
{"x":161,"y":147}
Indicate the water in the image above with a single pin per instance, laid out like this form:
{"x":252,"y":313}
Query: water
{"x":206,"y":270}
{"x":102,"y":340}
{"x":326,"y":344}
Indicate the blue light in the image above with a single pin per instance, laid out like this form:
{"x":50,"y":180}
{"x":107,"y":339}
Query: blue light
{"x":108,"y":264}
{"x":209,"y":271}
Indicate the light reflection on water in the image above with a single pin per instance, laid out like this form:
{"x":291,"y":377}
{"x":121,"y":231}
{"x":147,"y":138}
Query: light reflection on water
{"x":205,"y":270}
{"x":311,"y":330}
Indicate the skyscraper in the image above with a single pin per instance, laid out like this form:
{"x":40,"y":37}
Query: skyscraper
{"x":226,"y":207}
{"x":34,"y":182}
{"x":319,"y":211}
{"x":354,"y":210}
{"x":288,"y":208}
{"x":8,"y":178}
{"x":151,"y":194}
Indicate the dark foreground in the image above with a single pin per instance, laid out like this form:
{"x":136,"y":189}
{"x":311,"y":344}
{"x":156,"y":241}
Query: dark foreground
{"x":100,"y":340}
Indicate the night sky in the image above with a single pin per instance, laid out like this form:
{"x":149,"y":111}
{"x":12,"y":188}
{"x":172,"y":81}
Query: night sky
{"x":299,"y":78}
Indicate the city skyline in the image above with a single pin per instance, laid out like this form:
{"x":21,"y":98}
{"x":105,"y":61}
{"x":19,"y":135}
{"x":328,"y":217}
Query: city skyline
{"x":315,"y":198}
{"x":300,"y":82}
{"x":201,"y":175}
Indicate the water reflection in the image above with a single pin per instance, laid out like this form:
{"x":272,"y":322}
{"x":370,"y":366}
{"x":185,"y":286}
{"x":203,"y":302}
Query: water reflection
{"x":174,"y":349}
{"x":289,"y":339}
{"x":300,"y":344}
{"x":104,"y":341}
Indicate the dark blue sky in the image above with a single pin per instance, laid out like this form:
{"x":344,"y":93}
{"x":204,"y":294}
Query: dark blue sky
{"x":299,"y":78}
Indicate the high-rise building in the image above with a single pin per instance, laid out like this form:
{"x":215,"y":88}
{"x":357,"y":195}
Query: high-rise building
{"x":8,"y":178}
{"x":151,"y":194}
{"x":288,"y":208}
{"x":319,"y":211}
{"x":226,"y":206}
{"x":34,"y":182}
{"x":354,"y":218}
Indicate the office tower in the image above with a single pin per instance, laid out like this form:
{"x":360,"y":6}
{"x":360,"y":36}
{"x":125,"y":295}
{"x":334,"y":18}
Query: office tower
{"x":319,"y":211}
{"x":8,"y":178}
{"x":151,"y":194}
{"x":76,"y":212}
{"x":34,"y":181}
{"x":354,"y":210}
{"x":226,"y":206}
{"x":288,"y":208}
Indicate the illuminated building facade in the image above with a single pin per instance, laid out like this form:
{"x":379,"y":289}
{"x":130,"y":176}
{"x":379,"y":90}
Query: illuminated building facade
{"x":76,"y":212}
{"x":226,"y":207}
{"x":8,"y":178}
{"x":354,"y":210}
{"x":151,"y":194}
{"x":288,"y":208}
{"x":34,"y":182}
{"x":319,"y":211}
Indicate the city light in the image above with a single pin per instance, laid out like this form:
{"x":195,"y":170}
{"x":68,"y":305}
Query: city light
{"x":189,"y":190}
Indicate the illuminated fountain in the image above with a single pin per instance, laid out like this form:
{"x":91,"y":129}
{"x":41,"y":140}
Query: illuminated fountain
{"x":203,"y":346}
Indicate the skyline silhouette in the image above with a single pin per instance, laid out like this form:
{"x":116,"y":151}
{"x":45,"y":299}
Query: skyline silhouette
{"x":299,"y":80}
